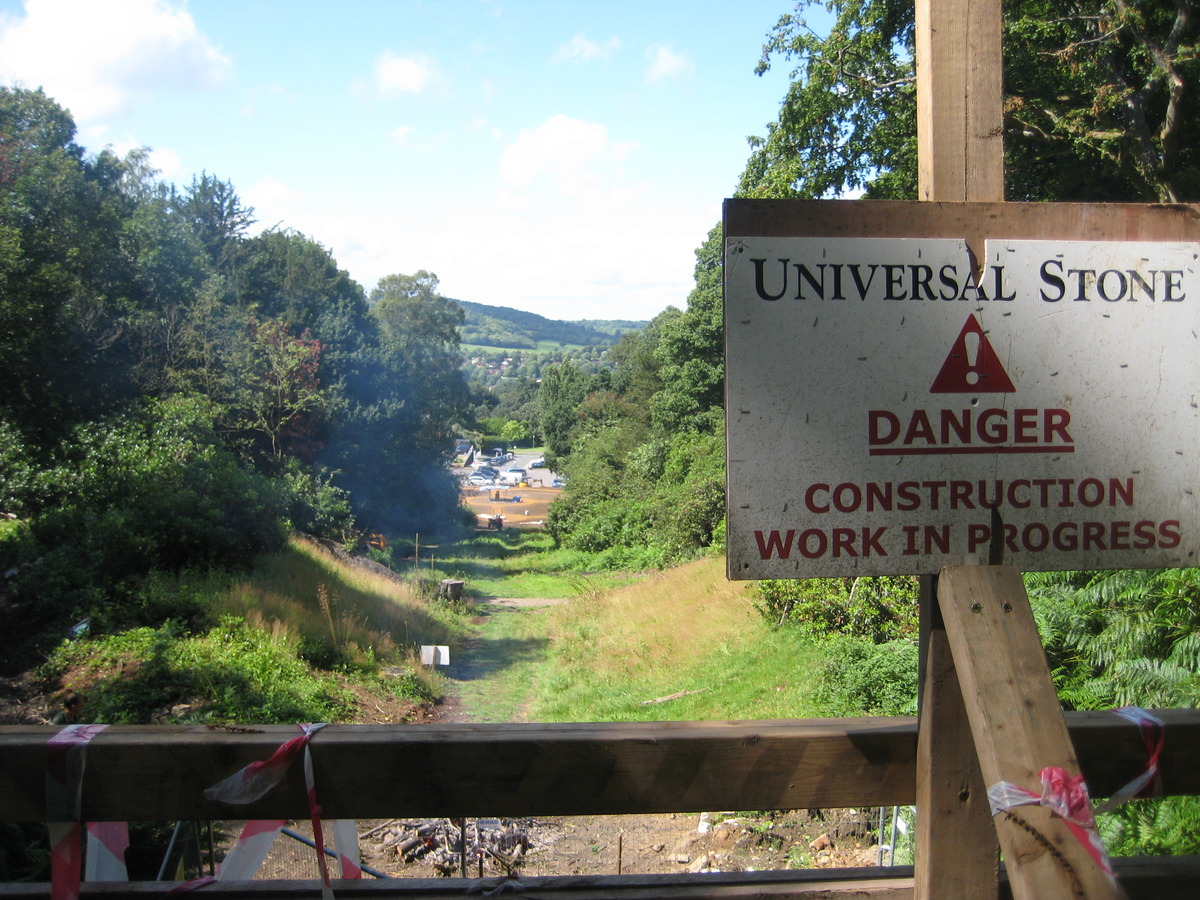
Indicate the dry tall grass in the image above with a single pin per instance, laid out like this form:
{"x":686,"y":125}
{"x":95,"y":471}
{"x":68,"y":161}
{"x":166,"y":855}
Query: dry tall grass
{"x":305,"y":591}
{"x":657,"y":622}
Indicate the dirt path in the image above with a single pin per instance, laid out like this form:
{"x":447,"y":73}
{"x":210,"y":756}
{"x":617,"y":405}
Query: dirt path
{"x":470,"y":677}
{"x":604,"y":845}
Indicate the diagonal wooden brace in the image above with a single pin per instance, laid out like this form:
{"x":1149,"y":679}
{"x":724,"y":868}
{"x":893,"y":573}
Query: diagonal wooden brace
{"x":1018,"y":728}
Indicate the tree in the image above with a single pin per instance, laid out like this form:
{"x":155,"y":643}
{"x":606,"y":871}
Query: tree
{"x":419,"y":344}
{"x":1100,"y":102}
{"x":562,"y":391}
{"x":219,"y":219}
{"x":513,"y":432}
{"x":278,"y":389}
{"x":65,"y":281}
{"x":691,"y":349}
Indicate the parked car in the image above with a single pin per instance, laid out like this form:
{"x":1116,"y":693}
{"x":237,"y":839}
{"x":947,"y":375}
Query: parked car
{"x":539,"y":463}
{"x":558,"y":482}
{"x":488,"y":471}
{"x":513,"y":476}
{"x":478,"y":480}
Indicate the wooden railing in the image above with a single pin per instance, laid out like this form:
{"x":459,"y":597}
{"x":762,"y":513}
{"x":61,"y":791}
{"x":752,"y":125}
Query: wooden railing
{"x":137,"y":773}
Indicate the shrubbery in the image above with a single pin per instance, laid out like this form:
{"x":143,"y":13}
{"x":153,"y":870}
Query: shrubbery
{"x":879,"y":608}
{"x":860,"y":677}
{"x":150,"y":490}
{"x":230,"y":673}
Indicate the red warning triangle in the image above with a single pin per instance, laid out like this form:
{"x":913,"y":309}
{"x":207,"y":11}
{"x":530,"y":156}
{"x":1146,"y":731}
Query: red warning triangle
{"x":972,"y":366}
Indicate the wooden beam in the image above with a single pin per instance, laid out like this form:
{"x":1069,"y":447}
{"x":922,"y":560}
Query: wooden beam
{"x":1018,"y":728}
{"x":957,"y":853}
{"x":973,"y":221}
{"x":960,"y":141}
{"x":1151,"y":878}
{"x":158,"y":773}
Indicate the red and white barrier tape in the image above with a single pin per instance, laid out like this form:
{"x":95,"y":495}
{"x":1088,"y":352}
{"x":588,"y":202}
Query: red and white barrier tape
{"x":1147,"y":784}
{"x":252,"y":847}
{"x":1065,"y":796}
{"x":253,"y":782}
{"x":106,"y":846}
{"x":66,"y":758}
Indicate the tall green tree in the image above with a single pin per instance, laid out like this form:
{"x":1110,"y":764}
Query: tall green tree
{"x":64,"y":280}
{"x":419,"y":341}
{"x":563,"y":389}
{"x":218,"y":218}
{"x":1100,"y":102}
{"x":691,"y":351}
{"x":277,"y":391}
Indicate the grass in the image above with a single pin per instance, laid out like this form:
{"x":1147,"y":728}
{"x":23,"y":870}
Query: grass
{"x":494,"y":675}
{"x":683,"y":630}
{"x":319,"y":597}
{"x":514,"y":563}
{"x":301,"y":638}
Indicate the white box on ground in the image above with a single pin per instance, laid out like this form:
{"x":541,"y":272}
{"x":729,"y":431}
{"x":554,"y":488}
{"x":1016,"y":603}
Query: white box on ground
{"x":435,"y":655}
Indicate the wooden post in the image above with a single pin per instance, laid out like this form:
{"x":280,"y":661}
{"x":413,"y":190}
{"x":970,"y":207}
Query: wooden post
{"x":960,"y":157}
{"x":960,"y":96}
{"x":956,"y":850}
{"x":1018,"y":728}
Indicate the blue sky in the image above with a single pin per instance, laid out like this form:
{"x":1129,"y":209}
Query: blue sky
{"x":564,"y":158}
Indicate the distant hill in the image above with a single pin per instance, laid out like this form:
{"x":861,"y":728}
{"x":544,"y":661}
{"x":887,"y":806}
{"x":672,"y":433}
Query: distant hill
{"x":500,"y":326}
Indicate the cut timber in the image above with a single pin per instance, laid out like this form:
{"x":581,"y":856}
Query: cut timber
{"x":960,"y":144}
{"x":956,"y":850}
{"x":1018,"y":727}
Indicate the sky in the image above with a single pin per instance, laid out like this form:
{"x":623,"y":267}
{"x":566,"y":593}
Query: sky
{"x":564,"y":158}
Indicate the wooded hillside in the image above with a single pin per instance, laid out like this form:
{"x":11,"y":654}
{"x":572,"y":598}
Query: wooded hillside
{"x":504,"y":327}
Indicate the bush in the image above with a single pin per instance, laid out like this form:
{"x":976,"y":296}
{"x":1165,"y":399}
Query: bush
{"x":860,"y":677}
{"x":18,"y":475}
{"x":231,"y":673}
{"x":152,"y":490}
{"x":880,"y":608}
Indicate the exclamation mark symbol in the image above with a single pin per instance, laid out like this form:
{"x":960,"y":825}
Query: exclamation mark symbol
{"x":972,"y":345}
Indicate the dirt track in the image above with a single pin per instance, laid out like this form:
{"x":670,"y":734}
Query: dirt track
{"x":520,"y":507}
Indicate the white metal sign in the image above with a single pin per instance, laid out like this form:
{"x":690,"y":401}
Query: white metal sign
{"x":890,"y":413}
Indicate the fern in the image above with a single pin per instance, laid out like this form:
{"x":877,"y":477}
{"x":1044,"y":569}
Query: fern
{"x":1127,"y":638}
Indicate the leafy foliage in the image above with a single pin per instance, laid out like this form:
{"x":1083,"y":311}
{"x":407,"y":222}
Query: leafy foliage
{"x":878,"y":608}
{"x":1121,"y":638}
{"x":1099,"y":102}
{"x":177,"y":394}
{"x":860,"y":677}
{"x":1127,"y":638}
{"x":229,"y":674}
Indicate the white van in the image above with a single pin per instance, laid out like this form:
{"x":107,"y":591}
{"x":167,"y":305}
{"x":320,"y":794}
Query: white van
{"x":512,"y":476}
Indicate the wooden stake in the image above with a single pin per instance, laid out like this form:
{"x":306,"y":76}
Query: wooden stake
{"x":960,"y":157}
{"x":960,"y":97}
{"x":956,"y":850}
{"x":1018,"y":728}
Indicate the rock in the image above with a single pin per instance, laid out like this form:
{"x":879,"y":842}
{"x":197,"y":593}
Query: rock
{"x":820,"y":843}
{"x":699,"y":864}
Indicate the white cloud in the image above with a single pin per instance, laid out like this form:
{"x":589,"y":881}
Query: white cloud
{"x":562,"y":147}
{"x":666,"y":64}
{"x":167,"y":162}
{"x":396,"y":75}
{"x":275,"y":203}
{"x":400,"y":135}
{"x":94,"y":57}
{"x":581,"y":49}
